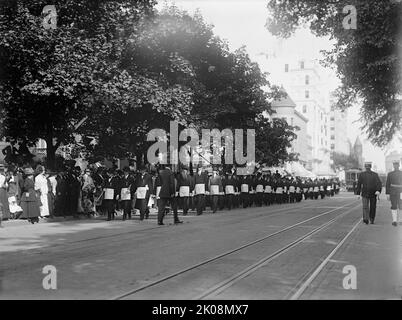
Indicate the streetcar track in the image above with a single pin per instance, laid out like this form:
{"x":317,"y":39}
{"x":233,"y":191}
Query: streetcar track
{"x":185,"y":270}
{"x":303,"y":287}
{"x":222,"y":286}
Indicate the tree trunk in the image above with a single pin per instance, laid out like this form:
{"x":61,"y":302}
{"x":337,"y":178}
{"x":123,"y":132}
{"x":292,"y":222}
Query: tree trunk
{"x":50,"y":154}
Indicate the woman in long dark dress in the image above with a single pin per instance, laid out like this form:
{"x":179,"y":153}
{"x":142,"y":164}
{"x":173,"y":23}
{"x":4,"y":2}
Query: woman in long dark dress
{"x":29,"y":199}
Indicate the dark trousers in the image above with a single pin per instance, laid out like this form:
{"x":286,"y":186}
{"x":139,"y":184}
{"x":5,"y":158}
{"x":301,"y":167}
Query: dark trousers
{"x":185,"y":203}
{"x":244,"y":198}
{"x":278,"y":198}
{"x":259,"y":199}
{"x":322,"y":193}
{"x":162,"y":203}
{"x":109,"y":206}
{"x":142,"y":205}
{"x":200,"y":203}
{"x":316,"y":194}
{"x":214,"y":203}
{"x":292,"y":197}
{"x":369,"y":208}
{"x":229,"y":201}
{"x":221,"y":202}
{"x":126,"y":206}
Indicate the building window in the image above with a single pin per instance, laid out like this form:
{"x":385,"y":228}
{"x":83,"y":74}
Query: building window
{"x":332,"y":146}
{"x":304,"y":109}
{"x":307,"y":94}
{"x":322,"y":142}
{"x":321,"y":116}
{"x":332,"y":137}
{"x":332,"y":128}
{"x":332,"y":108}
{"x":301,"y":64}
{"x":307,"y":80}
{"x":286,"y":68}
{"x":332,"y":118}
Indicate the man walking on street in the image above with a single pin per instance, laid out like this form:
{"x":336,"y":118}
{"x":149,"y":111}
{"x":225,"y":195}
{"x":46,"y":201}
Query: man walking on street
{"x":394,"y":192}
{"x":166,"y":182}
{"x":369,"y":187}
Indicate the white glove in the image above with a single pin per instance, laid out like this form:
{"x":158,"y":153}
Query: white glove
{"x":388,"y":197}
{"x":358,"y":197}
{"x":377,"y":193}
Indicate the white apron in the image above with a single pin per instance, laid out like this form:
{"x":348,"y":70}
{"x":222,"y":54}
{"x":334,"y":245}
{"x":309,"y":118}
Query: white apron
{"x":141,"y":192}
{"x":229,"y":190}
{"x":244,"y":188}
{"x":214,"y":190}
{"x":125,"y":194}
{"x":184,"y":191}
{"x":200,"y":188}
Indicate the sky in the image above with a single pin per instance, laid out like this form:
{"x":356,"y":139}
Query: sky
{"x":243,"y":23}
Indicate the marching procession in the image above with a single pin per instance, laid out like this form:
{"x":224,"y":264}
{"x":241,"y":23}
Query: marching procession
{"x":26,"y":193}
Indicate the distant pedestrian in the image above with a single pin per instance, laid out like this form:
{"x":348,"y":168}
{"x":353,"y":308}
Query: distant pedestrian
{"x":369,"y":187}
{"x":394,"y":192}
{"x":29,"y":201}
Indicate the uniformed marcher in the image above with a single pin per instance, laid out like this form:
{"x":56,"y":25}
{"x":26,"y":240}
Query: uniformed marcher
{"x":259,"y":189}
{"x":126,"y":191}
{"x":110,"y":187}
{"x":229,"y":185}
{"x":200,"y":189}
{"x":245,"y":191}
{"x":215,"y":188}
{"x":165,"y":184}
{"x":369,"y":187}
{"x":292,"y":190}
{"x":185,"y":189}
{"x":394,"y":192}
{"x":143,"y":188}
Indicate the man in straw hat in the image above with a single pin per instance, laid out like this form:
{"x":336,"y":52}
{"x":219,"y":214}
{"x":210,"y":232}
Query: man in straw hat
{"x":394,"y":192}
{"x":369,"y":187}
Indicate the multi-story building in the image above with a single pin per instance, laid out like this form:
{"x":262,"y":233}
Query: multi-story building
{"x":303,"y":82}
{"x":338,"y":130}
{"x":285,"y":108}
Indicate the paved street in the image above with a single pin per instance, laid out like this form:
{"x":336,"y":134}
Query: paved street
{"x":277,"y":252}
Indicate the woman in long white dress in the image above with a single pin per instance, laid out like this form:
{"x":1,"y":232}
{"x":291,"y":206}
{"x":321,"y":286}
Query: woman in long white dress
{"x":41,"y":185}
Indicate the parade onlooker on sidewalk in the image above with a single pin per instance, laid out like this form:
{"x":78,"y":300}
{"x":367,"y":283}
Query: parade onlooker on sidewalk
{"x":4,"y":178}
{"x":42,"y":187}
{"x":87,"y":193}
{"x":29,"y":201}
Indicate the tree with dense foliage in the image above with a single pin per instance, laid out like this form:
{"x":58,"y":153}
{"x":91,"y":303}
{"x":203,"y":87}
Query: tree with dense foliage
{"x":50,"y":77}
{"x":366,"y":58}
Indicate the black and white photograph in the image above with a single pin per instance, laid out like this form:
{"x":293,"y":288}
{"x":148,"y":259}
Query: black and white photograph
{"x":214,"y":151}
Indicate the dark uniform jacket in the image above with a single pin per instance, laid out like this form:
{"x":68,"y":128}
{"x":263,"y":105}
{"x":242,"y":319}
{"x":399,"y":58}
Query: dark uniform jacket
{"x":166,"y":181}
{"x":368,"y":184}
{"x":394,"y":183}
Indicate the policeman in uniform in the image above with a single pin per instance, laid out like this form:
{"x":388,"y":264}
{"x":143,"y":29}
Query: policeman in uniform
{"x":394,"y":192}
{"x":369,"y":187}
